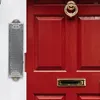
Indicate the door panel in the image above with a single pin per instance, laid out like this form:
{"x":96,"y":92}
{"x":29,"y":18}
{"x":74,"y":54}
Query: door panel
{"x":59,"y":47}
{"x":49,"y":1}
{"x":88,"y":1}
{"x":50,"y":97}
{"x":89,"y":33}
{"x":50,"y":42}
{"x":89,"y":97}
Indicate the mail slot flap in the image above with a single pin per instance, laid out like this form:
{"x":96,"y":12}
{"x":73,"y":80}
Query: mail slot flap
{"x":68,"y":82}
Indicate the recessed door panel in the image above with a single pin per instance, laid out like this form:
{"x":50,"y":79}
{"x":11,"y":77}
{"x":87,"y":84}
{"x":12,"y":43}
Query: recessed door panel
{"x":89,"y":97}
{"x":88,"y":1}
{"x":89,"y":33}
{"x":49,"y":97}
{"x":49,"y":1}
{"x":50,"y":43}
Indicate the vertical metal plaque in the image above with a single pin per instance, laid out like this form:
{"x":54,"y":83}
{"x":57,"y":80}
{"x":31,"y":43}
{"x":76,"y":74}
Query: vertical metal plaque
{"x":16,"y":49}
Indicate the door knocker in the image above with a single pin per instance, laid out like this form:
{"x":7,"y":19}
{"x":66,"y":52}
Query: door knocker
{"x":71,"y":9}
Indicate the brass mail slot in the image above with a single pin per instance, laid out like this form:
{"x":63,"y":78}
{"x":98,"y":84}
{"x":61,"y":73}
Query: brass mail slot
{"x":71,"y":82}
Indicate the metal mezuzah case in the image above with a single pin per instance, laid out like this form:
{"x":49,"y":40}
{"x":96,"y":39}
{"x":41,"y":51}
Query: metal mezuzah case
{"x":15,"y":49}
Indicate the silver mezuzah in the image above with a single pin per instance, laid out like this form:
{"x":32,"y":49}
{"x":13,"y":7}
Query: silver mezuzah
{"x":15,"y":50}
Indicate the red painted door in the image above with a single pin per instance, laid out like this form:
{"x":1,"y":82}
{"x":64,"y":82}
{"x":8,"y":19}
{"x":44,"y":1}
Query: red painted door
{"x":59,"y":48}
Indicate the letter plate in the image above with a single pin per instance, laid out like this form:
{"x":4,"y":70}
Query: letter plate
{"x":15,"y":49}
{"x":71,"y":82}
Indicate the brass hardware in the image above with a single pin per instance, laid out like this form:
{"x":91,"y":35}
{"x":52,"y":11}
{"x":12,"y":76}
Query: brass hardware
{"x":15,"y":78}
{"x":71,"y":82}
{"x":71,"y":9}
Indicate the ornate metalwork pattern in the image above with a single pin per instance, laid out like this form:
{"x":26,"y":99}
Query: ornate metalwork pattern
{"x":15,"y":49}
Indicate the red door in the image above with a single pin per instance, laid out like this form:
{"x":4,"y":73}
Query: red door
{"x":63,"y":54}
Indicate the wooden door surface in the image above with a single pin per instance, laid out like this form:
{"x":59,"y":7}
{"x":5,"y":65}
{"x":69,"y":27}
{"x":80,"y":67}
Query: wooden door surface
{"x":60,"y":49}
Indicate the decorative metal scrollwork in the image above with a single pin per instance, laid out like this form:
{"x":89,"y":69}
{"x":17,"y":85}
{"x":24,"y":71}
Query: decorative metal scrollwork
{"x":16,"y":50}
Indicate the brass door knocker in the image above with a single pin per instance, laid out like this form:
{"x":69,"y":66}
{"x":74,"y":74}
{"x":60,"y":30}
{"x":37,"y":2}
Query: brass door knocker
{"x":71,"y":9}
